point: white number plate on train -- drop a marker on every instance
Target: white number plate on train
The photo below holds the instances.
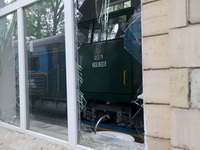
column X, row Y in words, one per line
column 99, row 64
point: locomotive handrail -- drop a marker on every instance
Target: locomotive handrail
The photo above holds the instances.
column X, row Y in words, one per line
column 124, row 77
column 58, row 89
column 47, row 83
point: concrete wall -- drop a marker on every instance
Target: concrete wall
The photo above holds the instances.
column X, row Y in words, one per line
column 171, row 63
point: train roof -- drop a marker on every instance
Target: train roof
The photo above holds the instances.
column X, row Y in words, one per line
column 49, row 40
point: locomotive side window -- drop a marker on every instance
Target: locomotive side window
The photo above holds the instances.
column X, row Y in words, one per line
column 99, row 34
column 112, row 31
column 86, row 30
column 127, row 4
column 111, row 8
column 118, row 6
column 115, row 29
column 116, row 26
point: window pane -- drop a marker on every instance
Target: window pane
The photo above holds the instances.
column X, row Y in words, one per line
column 99, row 34
column 86, row 30
column 111, row 8
column 127, row 4
column 118, row 6
column 110, row 82
column 9, row 81
column 46, row 68
column 116, row 27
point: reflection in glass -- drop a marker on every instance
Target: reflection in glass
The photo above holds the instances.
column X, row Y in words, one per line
column 46, row 68
column 9, row 75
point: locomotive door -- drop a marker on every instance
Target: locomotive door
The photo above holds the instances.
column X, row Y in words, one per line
column 53, row 76
column 56, row 71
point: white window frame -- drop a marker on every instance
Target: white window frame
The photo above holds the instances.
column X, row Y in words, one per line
column 72, row 142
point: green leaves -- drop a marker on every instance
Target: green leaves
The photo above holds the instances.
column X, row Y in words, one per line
column 44, row 19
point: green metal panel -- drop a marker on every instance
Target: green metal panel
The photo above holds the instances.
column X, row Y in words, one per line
column 119, row 80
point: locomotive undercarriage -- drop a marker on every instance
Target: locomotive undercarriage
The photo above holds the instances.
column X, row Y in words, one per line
column 121, row 114
column 49, row 106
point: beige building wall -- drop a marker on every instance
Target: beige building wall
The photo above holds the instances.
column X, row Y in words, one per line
column 171, row 63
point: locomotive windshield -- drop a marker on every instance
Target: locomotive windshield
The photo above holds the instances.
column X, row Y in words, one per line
column 115, row 30
column 98, row 34
column 116, row 27
column 86, row 30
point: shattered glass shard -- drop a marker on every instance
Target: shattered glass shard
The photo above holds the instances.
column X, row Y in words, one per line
column 9, row 83
column 102, row 12
column 80, row 3
column 132, row 37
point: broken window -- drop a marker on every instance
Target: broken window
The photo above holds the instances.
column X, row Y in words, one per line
column 110, row 101
column 45, row 44
column 9, row 75
column 132, row 37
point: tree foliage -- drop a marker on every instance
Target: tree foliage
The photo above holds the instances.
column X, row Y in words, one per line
column 44, row 19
